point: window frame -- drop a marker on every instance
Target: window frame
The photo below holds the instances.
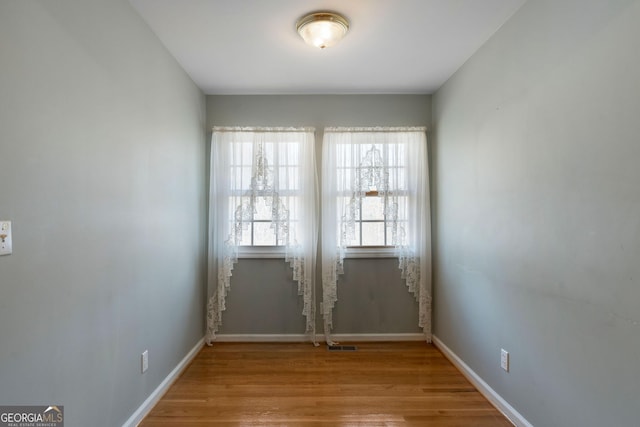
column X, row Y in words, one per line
column 236, row 197
column 375, row 251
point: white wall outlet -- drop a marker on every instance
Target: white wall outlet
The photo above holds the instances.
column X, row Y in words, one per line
column 504, row 359
column 144, row 359
column 6, row 247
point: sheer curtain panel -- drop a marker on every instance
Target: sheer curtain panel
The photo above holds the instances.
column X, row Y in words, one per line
column 375, row 193
column 262, row 196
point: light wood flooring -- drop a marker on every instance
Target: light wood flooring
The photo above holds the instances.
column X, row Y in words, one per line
column 380, row 384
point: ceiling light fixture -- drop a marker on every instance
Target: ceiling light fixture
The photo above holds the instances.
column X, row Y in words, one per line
column 322, row 29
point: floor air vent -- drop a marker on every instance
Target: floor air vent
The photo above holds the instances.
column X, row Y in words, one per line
column 342, row 347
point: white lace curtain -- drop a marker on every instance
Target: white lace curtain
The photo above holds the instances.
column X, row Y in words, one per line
column 262, row 192
column 390, row 163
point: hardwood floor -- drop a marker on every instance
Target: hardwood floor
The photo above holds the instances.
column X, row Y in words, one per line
column 380, row 384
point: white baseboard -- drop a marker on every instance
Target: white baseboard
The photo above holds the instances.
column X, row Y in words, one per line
column 490, row 394
column 262, row 338
column 320, row 337
column 377, row 337
column 157, row 394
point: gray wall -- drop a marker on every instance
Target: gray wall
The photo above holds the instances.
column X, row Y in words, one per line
column 537, row 208
column 372, row 298
column 102, row 166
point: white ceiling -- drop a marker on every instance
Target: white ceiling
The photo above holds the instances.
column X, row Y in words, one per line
column 393, row 46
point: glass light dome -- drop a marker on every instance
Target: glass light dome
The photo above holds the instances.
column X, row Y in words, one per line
column 322, row 29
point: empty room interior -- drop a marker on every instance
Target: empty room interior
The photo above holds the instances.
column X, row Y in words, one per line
column 488, row 224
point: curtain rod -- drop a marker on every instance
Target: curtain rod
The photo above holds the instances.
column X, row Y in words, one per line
column 312, row 129
column 377, row 129
column 261, row 129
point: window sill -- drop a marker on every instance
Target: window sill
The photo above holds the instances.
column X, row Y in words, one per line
column 261, row 252
column 278, row 252
column 372, row 252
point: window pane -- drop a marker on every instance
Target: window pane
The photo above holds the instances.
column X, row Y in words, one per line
column 373, row 234
column 288, row 178
column 294, row 231
column 240, row 177
column 400, row 238
column 263, row 211
column 240, row 209
column 356, row 237
column 402, row 208
column 372, row 208
column 245, row 178
column 343, row 205
column 356, row 240
column 246, row 236
column 294, row 205
column 263, row 234
column 268, row 152
column 288, row 153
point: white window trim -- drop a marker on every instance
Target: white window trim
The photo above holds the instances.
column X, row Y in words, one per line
column 274, row 252
column 278, row 252
column 365, row 252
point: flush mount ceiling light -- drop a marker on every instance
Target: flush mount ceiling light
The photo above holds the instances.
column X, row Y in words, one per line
column 322, row 29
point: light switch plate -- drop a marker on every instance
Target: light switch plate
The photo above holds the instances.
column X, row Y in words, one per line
column 6, row 247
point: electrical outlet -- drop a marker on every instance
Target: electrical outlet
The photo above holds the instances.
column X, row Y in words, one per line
column 145, row 361
column 504, row 359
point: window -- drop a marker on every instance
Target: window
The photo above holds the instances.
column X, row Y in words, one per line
column 265, row 198
column 264, row 183
column 371, row 184
column 262, row 202
column 373, row 199
column 375, row 202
